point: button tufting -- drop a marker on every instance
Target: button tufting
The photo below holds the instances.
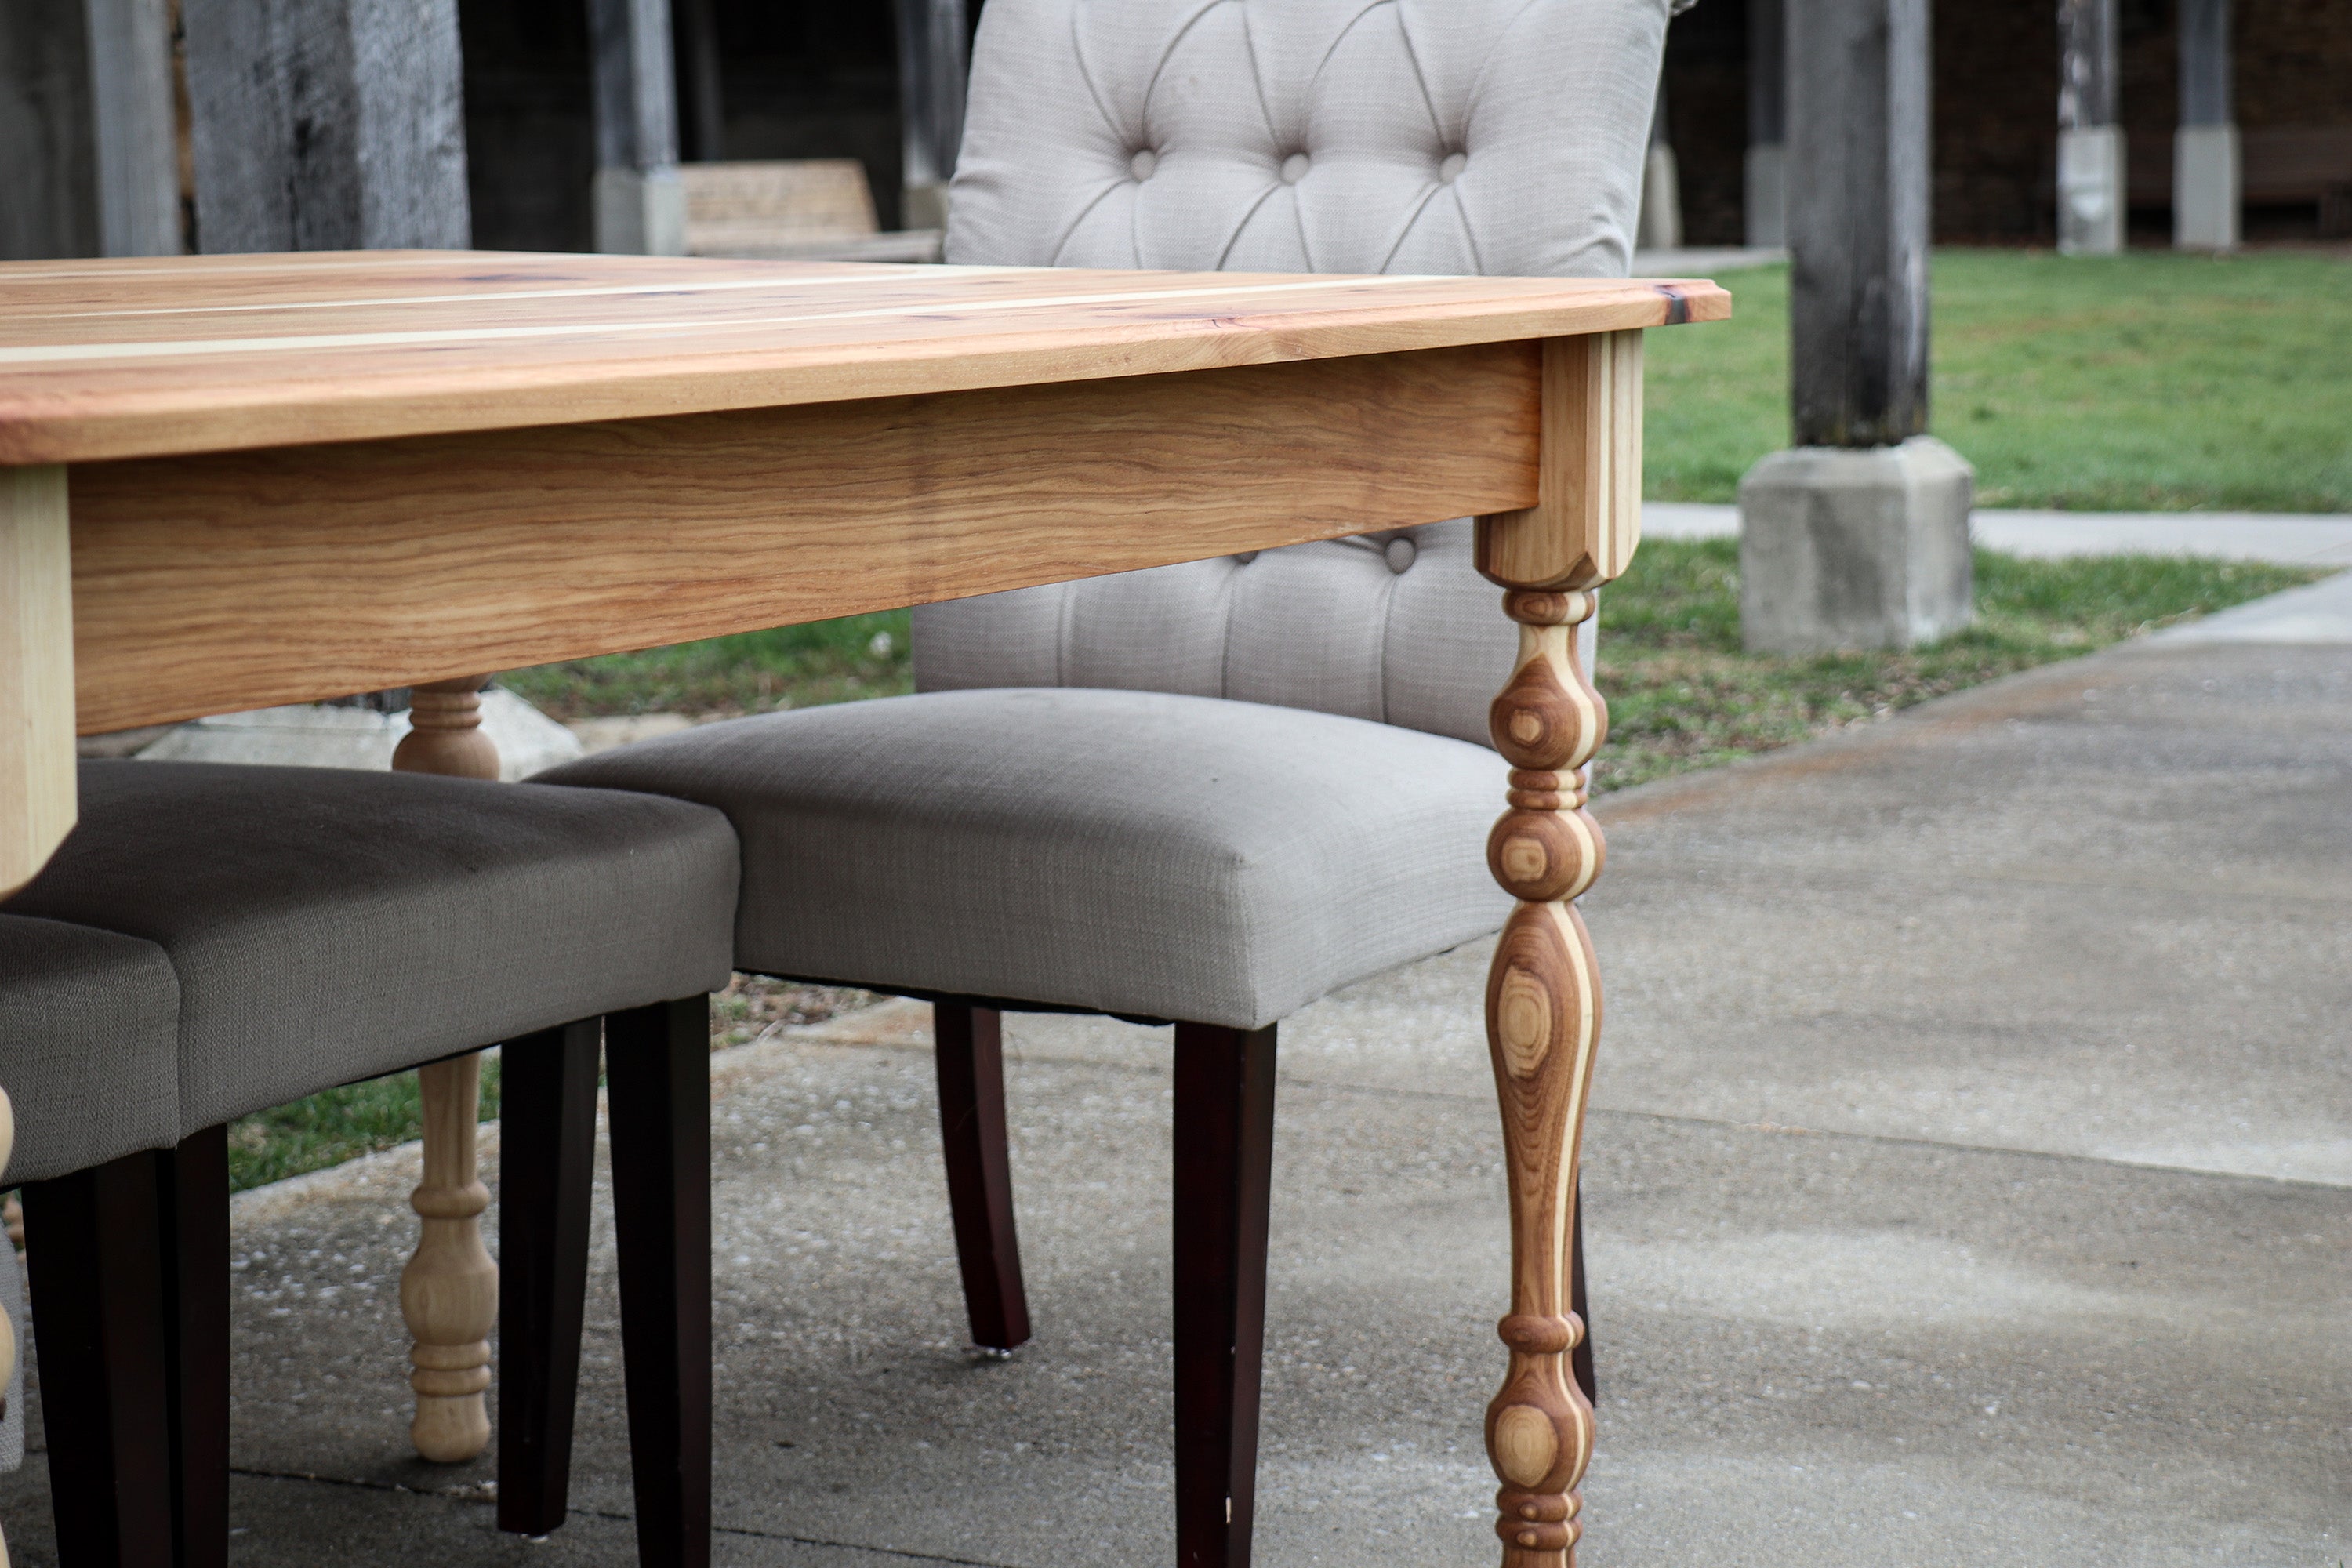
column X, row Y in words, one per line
column 1401, row 554
column 1294, row 168
column 1143, row 162
column 1451, row 169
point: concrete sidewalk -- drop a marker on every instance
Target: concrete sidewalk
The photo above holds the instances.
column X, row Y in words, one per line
column 2287, row 538
column 1971, row 1178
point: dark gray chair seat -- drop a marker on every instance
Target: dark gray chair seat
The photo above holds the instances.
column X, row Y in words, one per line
column 260, row 934
column 329, row 925
column 90, row 1058
column 88, row 1046
column 1127, row 852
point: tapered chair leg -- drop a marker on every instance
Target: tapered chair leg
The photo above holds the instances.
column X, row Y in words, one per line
column 658, row 1072
column 1225, row 1156
column 547, row 1135
column 101, row 1327
column 969, row 1042
column 195, row 1205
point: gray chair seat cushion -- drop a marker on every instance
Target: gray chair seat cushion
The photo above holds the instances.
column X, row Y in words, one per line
column 1130, row 852
column 89, row 1026
column 327, row 925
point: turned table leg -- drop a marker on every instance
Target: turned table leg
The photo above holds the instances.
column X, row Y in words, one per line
column 450, row 1291
column 1543, row 994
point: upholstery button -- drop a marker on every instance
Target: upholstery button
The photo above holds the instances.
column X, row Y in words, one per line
column 1143, row 162
column 1401, row 554
column 1246, row 557
column 1294, row 168
column 1451, row 169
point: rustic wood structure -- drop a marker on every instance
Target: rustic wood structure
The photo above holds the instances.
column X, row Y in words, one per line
column 640, row 209
column 1858, row 221
column 297, row 477
column 326, row 124
column 86, row 114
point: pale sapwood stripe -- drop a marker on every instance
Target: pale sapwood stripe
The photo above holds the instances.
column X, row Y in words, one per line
column 1588, row 1033
column 499, row 296
column 57, row 354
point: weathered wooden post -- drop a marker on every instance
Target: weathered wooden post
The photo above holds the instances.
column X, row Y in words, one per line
column 1858, row 536
column 1767, row 124
column 327, row 125
column 86, row 115
column 933, row 44
column 640, row 203
column 2205, row 168
column 2090, row 143
column 340, row 125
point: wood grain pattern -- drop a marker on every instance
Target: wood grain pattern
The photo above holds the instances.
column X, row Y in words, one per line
column 1583, row 529
column 37, row 674
column 1543, row 990
column 177, row 355
column 241, row 580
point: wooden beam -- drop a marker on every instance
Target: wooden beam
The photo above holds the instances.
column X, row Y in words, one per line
column 136, row 136
column 1858, row 105
column 640, row 205
column 37, row 673
column 327, row 125
column 933, row 71
column 86, row 116
column 243, row 579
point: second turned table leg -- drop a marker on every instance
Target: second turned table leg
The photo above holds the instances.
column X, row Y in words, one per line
column 450, row 1291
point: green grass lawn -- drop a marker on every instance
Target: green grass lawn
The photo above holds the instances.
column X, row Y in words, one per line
column 2140, row 382
column 1682, row 695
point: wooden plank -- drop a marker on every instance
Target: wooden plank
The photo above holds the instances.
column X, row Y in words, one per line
column 133, row 367
column 37, row 673
column 1582, row 530
column 238, row 580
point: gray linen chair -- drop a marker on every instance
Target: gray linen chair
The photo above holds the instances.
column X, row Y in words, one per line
column 275, row 931
column 1207, row 793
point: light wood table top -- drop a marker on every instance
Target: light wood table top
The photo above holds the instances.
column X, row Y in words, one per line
column 185, row 354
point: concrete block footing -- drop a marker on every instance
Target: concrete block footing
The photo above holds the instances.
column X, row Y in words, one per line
column 2091, row 191
column 1855, row 547
column 2205, row 187
column 640, row 212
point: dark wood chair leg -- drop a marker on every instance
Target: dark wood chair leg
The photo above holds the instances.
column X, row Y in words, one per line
column 195, row 1200
column 547, row 1171
column 970, row 1043
column 1225, row 1156
column 657, row 1071
column 100, row 1329
column 1579, row 1361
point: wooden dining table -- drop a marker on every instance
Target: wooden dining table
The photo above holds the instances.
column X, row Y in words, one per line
column 230, row 482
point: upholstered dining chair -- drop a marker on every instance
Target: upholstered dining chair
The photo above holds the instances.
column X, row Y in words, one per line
column 1214, row 792
column 211, row 939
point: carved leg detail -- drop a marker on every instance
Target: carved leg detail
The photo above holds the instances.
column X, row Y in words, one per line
column 1543, row 1017
column 450, row 1291
column 1543, row 996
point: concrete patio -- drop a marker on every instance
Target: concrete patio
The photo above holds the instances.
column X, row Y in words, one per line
column 1970, row 1173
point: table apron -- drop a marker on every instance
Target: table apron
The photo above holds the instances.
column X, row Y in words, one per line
column 227, row 581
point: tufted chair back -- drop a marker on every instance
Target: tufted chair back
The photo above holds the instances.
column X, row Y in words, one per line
column 1503, row 137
